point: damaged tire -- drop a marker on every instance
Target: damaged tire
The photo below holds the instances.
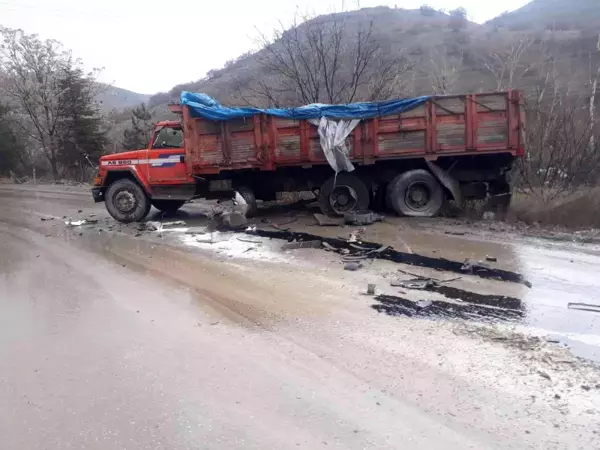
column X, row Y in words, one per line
column 416, row 193
column 126, row 201
column 168, row 206
column 343, row 193
column 248, row 195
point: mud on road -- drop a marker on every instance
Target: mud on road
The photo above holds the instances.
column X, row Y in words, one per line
column 112, row 336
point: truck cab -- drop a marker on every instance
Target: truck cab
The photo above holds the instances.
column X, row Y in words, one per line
column 131, row 182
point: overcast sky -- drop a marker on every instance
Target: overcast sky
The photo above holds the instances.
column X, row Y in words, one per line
column 151, row 45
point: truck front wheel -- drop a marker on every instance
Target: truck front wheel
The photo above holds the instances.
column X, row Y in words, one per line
column 126, row 201
column 415, row 193
column 168, row 206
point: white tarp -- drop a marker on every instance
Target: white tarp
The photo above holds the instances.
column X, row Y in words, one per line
column 333, row 136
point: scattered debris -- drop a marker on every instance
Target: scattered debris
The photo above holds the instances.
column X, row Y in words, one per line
column 75, row 223
column 328, row 246
column 301, row 244
column 544, row 375
column 371, row 289
column 174, row 223
column 152, row 225
column 292, row 220
column 433, row 309
column 43, row 219
column 233, row 221
column 352, row 266
column 456, row 233
column 491, row 258
column 387, row 253
column 584, row 307
column 79, row 211
column 470, row 267
column 361, row 217
column 326, row 221
column 418, row 283
column 250, row 241
column 92, row 215
column 424, row 304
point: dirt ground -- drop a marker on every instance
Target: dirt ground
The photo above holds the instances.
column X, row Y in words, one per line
column 113, row 336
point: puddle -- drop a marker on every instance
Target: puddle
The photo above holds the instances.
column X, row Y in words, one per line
column 436, row 309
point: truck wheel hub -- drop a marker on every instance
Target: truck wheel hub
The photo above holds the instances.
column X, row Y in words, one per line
column 125, row 201
column 343, row 199
column 417, row 196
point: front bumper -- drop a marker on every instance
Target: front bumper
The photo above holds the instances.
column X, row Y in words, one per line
column 98, row 194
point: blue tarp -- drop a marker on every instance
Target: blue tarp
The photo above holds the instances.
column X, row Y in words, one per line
column 202, row 105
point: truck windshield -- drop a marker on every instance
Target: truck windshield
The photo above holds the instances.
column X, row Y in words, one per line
column 168, row 138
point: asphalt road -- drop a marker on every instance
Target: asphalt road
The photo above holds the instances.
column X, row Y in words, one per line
column 112, row 342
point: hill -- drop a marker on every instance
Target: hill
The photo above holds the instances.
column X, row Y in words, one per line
column 112, row 97
column 465, row 58
column 552, row 15
column 411, row 33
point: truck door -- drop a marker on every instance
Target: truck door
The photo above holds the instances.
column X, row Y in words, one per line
column 166, row 157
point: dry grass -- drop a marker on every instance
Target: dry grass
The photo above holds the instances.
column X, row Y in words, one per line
column 578, row 210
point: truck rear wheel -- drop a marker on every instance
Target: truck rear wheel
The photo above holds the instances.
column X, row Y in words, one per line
column 415, row 193
column 343, row 193
column 126, row 201
column 168, row 206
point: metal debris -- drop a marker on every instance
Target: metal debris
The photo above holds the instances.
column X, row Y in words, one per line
column 417, row 283
column 584, row 307
column 491, row 258
column 329, row 247
column 250, row 241
column 371, row 289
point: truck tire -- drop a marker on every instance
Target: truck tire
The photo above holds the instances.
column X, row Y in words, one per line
column 126, row 201
column 343, row 193
column 415, row 193
column 168, row 206
column 248, row 195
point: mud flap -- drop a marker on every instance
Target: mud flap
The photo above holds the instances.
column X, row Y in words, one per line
column 447, row 181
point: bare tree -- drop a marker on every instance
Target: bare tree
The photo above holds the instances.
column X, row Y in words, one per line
column 561, row 153
column 508, row 64
column 326, row 60
column 31, row 73
column 443, row 70
column 594, row 77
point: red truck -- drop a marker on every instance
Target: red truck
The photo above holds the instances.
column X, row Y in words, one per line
column 444, row 148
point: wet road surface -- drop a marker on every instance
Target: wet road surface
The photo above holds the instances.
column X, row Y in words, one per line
column 109, row 341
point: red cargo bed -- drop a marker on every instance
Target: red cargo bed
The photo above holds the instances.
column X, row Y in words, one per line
column 444, row 125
